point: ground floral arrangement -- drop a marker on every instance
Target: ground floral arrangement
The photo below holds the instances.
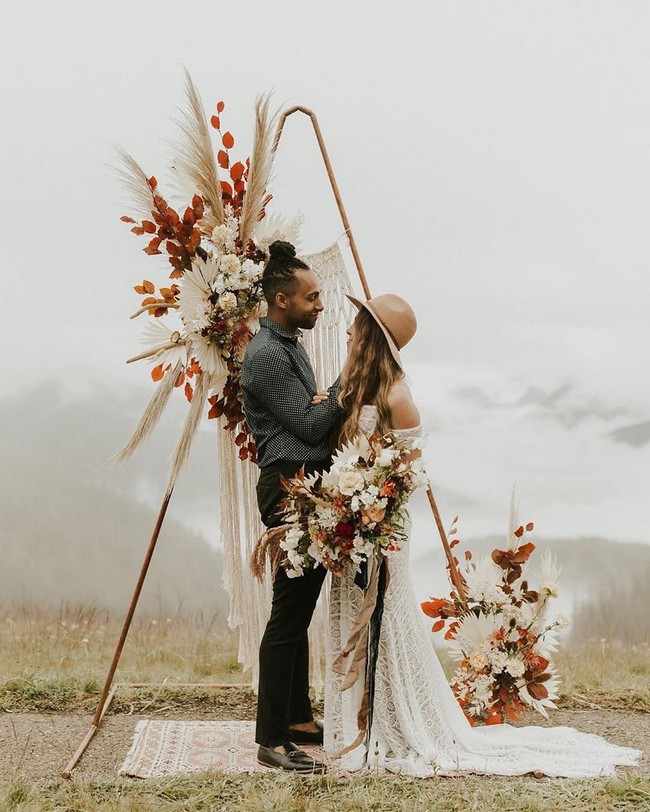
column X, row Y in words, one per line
column 217, row 249
column 352, row 512
column 501, row 633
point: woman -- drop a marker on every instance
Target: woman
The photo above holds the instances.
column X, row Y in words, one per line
column 418, row 728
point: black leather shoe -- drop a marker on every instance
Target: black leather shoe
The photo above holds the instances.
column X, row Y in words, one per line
column 307, row 736
column 292, row 759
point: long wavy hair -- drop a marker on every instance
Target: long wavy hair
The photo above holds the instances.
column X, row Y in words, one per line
column 368, row 374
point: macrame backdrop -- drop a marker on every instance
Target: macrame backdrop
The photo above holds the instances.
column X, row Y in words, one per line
column 250, row 600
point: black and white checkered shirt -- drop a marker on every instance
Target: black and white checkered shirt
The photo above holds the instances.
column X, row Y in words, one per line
column 278, row 383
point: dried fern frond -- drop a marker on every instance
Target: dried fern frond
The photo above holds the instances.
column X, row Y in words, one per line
column 136, row 183
column 151, row 415
column 195, row 165
column 260, row 168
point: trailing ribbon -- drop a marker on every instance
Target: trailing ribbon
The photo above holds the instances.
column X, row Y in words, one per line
column 364, row 642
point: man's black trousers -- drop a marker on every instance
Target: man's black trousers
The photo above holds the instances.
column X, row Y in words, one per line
column 283, row 690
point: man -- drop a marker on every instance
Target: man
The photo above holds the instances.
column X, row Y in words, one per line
column 291, row 422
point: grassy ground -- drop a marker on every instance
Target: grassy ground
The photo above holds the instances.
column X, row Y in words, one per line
column 280, row 793
column 56, row 663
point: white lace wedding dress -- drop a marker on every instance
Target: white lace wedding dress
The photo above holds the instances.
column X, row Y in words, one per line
column 418, row 727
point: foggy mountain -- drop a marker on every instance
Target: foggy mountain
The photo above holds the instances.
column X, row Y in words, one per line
column 72, row 529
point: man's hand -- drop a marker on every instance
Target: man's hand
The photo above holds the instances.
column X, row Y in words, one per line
column 319, row 397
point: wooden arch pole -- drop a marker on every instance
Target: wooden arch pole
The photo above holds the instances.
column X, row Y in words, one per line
column 107, row 694
column 456, row 578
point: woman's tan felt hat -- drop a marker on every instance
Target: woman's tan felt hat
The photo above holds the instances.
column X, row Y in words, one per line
column 395, row 318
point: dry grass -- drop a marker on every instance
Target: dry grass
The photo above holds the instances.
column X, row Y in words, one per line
column 58, row 661
column 282, row 793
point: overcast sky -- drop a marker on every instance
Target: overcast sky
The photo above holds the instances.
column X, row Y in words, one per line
column 493, row 160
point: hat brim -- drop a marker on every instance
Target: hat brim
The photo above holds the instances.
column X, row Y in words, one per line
column 392, row 346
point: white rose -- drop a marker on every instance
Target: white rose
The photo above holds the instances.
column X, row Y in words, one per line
column 350, row 481
column 229, row 264
column 478, row 660
column 227, row 300
column 222, row 236
column 251, row 269
column 515, row 667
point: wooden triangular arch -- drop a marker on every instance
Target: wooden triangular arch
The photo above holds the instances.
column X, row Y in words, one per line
column 109, row 689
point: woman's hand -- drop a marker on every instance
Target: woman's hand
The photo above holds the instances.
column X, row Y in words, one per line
column 319, row 397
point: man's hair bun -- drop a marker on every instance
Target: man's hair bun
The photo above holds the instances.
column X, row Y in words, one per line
column 282, row 251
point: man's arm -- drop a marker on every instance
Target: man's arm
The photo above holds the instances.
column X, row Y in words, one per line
column 273, row 381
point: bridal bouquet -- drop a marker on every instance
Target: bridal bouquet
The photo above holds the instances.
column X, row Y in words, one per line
column 345, row 516
column 501, row 634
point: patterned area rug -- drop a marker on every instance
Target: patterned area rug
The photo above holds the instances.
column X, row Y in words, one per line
column 172, row 748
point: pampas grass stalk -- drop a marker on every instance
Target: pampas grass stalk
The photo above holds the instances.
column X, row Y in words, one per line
column 195, row 162
column 151, row 415
column 260, row 169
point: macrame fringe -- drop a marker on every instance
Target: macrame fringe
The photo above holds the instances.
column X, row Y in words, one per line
column 241, row 528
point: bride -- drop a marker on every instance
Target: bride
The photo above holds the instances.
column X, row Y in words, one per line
column 417, row 727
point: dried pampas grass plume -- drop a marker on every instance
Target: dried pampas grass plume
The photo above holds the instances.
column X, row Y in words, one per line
column 181, row 452
column 151, row 415
column 195, row 162
column 136, row 183
column 260, row 169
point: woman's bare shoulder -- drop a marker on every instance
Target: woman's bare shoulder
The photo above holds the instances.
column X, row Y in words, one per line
column 404, row 413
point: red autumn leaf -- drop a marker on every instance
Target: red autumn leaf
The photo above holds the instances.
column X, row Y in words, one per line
column 493, row 719
column 180, row 379
column 522, row 554
column 220, row 107
column 149, row 300
column 167, row 293
column 438, row 626
column 139, row 289
column 536, row 690
column 215, row 122
column 519, row 532
column 188, row 391
column 454, row 542
column 226, row 189
column 530, row 526
column 189, row 218
column 511, row 713
column 239, row 185
column 148, row 286
column 197, row 205
column 173, row 249
column 149, row 227
column 153, row 182
column 176, row 274
column 138, row 230
column 126, row 219
column 468, row 555
column 432, row 608
column 157, row 372
column 223, row 159
column 160, row 311
column 228, row 140
column 243, row 453
column 237, row 170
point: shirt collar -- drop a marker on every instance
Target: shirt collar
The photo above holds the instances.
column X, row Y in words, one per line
column 279, row 330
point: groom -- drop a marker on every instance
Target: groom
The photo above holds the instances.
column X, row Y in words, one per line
column 291, row 422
